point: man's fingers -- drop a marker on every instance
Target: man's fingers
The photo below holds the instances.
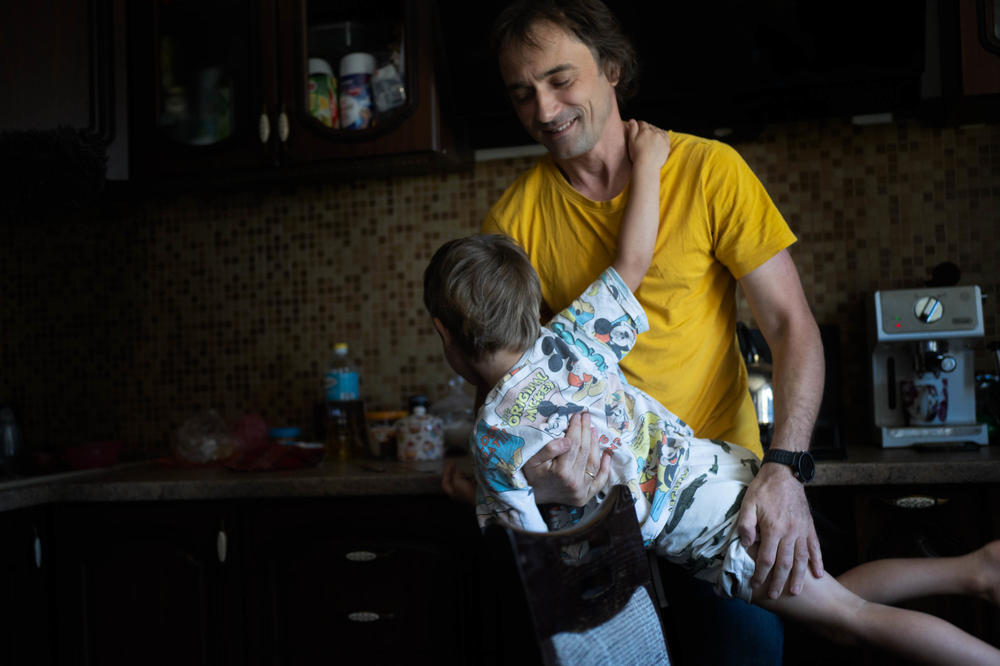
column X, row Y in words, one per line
column 604, row 471
column 815, row 556
column 783, row 563
column 553, row 449
column 800, row 569
column 767, row 553
column 746, row 524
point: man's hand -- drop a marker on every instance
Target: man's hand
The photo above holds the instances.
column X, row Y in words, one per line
column 775, row 505
column 569, row 470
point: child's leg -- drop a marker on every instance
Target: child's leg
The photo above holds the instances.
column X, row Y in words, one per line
column 832, row 608
column 892, row 580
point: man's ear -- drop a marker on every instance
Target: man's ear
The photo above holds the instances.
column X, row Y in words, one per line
column 443, row 332
column 612, row 72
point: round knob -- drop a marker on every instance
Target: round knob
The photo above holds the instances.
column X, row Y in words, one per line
column 928, row 309
column 948, row 363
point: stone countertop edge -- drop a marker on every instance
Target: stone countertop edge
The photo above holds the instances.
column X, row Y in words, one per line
column 153, row 481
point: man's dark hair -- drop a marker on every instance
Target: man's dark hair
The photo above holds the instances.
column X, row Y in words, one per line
column 589, row 20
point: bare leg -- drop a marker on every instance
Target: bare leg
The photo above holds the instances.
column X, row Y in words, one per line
column 837, row 612
column 893, row 580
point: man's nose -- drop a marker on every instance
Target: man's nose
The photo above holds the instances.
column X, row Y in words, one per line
column 546, row 106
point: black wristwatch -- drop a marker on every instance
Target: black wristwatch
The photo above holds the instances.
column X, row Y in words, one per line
column 802, row 463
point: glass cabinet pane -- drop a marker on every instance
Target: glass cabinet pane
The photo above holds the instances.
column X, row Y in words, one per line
column 203, row 62
column 357, row 75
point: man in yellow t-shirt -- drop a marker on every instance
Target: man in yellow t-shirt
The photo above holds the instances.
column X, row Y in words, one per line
column 566, row 67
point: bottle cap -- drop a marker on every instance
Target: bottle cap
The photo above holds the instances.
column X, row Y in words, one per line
column 357, row 63
column 319, row 66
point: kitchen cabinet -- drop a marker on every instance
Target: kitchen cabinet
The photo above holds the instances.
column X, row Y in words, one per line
column 221, row 90
column 25, row 587
column 63, row 66
column 147, row 582
column 861, row 524
column 374, row 580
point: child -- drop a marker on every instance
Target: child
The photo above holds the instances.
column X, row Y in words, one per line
column 484, row 297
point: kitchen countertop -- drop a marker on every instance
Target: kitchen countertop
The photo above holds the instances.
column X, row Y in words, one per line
column 863, row 466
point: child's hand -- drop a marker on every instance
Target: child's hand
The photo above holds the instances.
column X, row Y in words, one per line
column 648, row 145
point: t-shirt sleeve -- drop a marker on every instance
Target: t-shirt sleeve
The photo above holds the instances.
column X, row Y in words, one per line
column 747, row 226
column 606, row 313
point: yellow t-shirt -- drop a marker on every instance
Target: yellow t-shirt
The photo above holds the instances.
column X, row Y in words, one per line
column 717, row 224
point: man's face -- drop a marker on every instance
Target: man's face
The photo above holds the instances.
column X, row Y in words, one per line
column 559, row 93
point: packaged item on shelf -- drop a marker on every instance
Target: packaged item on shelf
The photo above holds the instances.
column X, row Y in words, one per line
column 419, row 436
column 382, row 432
column 388, row 87
column 356, row 105
column 323, row 105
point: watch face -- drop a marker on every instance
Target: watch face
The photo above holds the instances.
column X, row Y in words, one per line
column 807, row 467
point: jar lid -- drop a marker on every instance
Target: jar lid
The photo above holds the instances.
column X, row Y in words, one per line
column 357, row 63
column 319, row 66
column 391, row 415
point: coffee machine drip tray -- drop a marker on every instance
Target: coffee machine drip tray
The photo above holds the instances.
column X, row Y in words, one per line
column 957, row 434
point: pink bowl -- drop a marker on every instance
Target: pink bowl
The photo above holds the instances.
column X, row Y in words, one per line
column 94, row 454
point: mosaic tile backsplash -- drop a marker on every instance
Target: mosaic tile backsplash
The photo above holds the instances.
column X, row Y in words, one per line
column 120, row 323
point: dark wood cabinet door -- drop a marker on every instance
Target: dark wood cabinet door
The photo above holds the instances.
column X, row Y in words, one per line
column 146, row 583
column 25, row 609
column 202, row 81
column 372, row 580
column 401, row 34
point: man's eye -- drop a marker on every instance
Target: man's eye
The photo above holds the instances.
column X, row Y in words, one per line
column 560, row 83
column 521, row 97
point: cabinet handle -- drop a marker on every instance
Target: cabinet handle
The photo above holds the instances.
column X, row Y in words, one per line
column 360, row 556
column 283, row 128
column 368, row 616
column 38, row 550
column 918, row 502
column 264, row 126
column 220, row 545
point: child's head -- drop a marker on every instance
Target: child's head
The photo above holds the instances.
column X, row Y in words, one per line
column 485, row 292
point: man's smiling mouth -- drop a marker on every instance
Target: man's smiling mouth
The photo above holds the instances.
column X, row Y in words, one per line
column 559, row 129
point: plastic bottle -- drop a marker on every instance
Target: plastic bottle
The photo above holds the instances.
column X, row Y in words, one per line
column 419, row 436
column 357, row 110
column 341, row 380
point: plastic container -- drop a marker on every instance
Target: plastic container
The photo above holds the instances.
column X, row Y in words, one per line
column 456, row 411
column 322, row 87
column 382, row 432
column 357, row 109
column 341, row 380
column 419, row 436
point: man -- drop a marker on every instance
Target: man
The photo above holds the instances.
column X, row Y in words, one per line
column 566, row 67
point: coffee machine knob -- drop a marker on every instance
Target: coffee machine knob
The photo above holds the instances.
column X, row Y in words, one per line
column 948, row 363
column 928, row 309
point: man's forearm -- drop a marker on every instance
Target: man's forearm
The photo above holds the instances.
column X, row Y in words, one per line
column 798, row 376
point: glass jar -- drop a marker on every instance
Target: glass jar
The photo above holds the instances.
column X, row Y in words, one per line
column 419, row 436
column 382, row 432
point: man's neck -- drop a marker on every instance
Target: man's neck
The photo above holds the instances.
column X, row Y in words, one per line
column 603, row 172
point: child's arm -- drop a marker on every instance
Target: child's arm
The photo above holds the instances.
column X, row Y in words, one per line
column 648, row 147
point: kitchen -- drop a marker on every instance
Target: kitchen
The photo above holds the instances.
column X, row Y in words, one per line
column 129, row 315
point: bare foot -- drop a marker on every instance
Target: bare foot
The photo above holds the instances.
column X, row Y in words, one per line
column 987, row 564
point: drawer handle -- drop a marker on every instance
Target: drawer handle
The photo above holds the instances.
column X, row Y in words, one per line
column 364, row 616
column 361, row 556
column 38, row 550
column 283, row 128
column 221, row 546
column 918, row 502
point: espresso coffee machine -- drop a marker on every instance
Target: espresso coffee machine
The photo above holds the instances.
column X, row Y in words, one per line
column 923, row 379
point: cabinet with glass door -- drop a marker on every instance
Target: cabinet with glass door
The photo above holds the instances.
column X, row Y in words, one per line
column 276, row 88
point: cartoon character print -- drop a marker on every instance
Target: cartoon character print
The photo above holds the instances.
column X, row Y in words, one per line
column 557, row 416
column 498, row 454
column 580, row 312
column 583, row 372
column 657, row 455
column 619, row 335
column 618, row 411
